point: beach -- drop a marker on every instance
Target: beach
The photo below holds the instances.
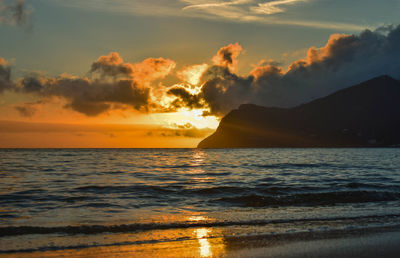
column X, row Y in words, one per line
column 372, row 243
column 200, row 203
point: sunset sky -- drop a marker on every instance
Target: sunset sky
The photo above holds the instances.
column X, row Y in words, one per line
column 158, row 73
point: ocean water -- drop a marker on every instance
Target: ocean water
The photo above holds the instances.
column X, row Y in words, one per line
column 58, row 199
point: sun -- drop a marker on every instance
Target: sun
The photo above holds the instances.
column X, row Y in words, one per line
column 192, row 74
column 185, row 116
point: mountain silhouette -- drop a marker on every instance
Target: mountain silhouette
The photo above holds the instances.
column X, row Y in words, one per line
column 365, row 115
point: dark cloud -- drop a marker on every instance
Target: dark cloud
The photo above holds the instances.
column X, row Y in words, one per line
column 225, row 90
column 344, row 61
column 90, row 97
column 14, row 12
column 26, row 110
column 31, row 83
column 29, row 109
column 222, row 90
column 185, row 98
column 5, row 75
column 119, row 85
column 112, row 65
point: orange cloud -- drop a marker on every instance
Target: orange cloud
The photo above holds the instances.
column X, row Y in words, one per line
column 152, row 69
column 147, row 71
column 112, row 65
column 227, row 56
column 339, row 46
column 192, row 74
column 267, row 68
column 114, row 84
column 181, row 131
column 3, row 61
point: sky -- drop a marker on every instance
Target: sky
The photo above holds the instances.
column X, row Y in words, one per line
column 157, row 73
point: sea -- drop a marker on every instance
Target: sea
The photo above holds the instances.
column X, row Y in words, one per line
column 66, row 199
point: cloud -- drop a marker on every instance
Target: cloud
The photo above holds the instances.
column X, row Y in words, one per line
column 196, row 4
column 14, row 12
column 242, row 9
column 224, row 90
column 259, row 11
column 227, row 56
column 113, row 84
column 5, row 75
column 236, row 11
column 185, row 98
column 153, row 69
column 216, row 89
column 26, row 110
column 192, row 74
column 345, row 60
column 90, row 97
column 112, row 65
column 185, row 130
column 267, row 68
column 29, row 109
column 147, row 71
column 273, row 7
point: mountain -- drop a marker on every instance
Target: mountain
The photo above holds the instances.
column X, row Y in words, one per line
column 365, row 115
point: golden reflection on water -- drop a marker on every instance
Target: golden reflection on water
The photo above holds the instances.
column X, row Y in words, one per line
column 202, row 242
column 196, row 169
column 205, row 247
column 197, row 218
column 198, row 158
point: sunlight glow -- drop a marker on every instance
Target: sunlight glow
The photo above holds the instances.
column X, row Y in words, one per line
column 186, row 117
column 196, row 118
column 192, row 74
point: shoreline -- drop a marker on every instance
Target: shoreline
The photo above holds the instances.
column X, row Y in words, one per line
column 372, row 242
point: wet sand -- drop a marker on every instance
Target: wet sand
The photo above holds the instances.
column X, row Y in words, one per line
column 374, row 245
column 380, row 243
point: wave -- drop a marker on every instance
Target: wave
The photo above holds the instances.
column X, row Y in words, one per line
column 319, row 165
column 295, row 165
column 270, row 166
column 236, row 187
column 139, row 227
column 236, row 194
column 125, row 189
column 310, row 199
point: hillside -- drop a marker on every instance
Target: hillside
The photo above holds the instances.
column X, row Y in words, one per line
column 365, row 115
